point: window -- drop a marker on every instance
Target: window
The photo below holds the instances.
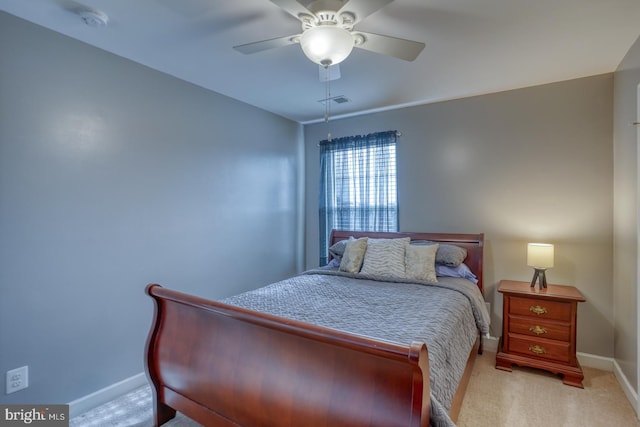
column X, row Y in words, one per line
column 358, row 188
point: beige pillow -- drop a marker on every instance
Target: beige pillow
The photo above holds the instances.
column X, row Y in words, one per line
column 421, row 262
column 385, row 257
column 353, row 255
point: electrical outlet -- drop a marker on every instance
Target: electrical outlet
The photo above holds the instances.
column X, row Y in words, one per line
column 17, row 379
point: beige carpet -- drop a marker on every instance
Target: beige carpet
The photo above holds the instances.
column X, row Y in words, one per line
column 522, row 398
column 530, row 397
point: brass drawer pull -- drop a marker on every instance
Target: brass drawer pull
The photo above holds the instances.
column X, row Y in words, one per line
column 538, row 330
column 538, row 310
column 537, row 349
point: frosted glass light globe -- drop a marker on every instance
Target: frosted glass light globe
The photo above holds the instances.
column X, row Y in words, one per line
column 327, row 44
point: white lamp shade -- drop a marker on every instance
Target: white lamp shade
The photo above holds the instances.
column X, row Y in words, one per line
column 327, row 45
column 540, row 255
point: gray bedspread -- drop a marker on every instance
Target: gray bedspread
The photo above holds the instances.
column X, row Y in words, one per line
column 445, row 315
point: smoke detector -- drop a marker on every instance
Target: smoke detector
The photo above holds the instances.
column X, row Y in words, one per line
column 93, row 18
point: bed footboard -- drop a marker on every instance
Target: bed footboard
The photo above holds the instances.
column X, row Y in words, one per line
column 222, row 365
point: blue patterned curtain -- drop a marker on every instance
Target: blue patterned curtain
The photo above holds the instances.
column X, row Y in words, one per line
column 358, row 189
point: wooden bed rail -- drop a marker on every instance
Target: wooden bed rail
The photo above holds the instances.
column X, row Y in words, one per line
column 228, row 366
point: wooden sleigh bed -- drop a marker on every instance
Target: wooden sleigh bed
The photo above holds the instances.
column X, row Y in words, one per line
column 223, row 365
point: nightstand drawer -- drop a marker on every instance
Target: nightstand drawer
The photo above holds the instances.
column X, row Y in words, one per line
column 544, row 349
column 539, row 328
column 540, row 309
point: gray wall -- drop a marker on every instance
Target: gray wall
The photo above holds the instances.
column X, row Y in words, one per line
column 625, row 272
column 533, row 164
column 113, row 176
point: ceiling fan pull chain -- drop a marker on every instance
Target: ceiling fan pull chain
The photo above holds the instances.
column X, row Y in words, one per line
column 327, row 95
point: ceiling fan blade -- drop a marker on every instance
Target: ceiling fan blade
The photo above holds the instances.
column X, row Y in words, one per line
column 392, row 46
column 292, row 7
column 363, row 8
column 254, row 47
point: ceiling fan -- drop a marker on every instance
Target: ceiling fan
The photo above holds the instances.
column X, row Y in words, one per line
column 328, row 36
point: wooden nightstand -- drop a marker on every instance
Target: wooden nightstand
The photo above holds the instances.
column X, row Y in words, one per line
column 539, row 329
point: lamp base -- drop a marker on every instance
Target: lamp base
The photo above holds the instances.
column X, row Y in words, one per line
column 541, row 277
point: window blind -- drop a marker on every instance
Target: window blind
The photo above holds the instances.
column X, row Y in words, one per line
column 358, row 185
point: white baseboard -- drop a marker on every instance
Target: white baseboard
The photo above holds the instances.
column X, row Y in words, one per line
column 596, row 362
column 631, row 394
column 610, row 364
column 107, row 394
column 490, row 344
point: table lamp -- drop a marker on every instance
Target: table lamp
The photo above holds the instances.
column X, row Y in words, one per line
column 540, row 257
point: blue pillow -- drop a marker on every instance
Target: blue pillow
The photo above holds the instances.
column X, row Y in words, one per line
column 461, row 270
column 334, row 263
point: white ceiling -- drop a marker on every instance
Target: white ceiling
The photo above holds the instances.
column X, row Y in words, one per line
column 472, row 47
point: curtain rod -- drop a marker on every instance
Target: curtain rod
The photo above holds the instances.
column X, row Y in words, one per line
column 398, row 134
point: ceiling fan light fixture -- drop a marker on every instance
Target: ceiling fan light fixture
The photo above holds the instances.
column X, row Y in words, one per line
column 327, row 44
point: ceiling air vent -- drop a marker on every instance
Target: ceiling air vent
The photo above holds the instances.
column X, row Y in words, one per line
column 340, row 99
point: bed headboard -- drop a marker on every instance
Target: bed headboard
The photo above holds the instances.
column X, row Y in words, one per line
column 473, row 243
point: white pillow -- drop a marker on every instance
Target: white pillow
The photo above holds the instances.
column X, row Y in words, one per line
column 353, row 255
column 421, row 262
column 385, row 257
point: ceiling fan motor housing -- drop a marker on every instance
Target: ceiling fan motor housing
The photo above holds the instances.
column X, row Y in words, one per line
column 327, row 17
